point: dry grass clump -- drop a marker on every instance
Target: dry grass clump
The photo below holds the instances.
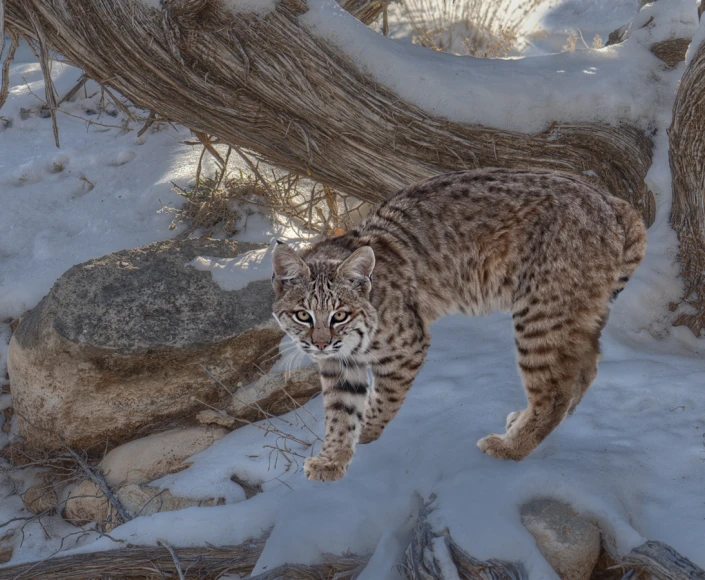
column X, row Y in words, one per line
column 220, row 203
column 209, row 207
column 481, row 28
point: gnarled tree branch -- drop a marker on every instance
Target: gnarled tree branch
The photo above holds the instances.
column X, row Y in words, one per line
column 687, row 160
column 267, row 84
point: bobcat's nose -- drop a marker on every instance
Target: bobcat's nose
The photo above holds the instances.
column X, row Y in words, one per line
column 321, row 345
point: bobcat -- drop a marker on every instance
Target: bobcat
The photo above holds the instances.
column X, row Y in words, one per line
column 546, row 246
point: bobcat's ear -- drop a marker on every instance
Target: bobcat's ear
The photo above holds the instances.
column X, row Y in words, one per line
column 358, row 266
column 287, row 265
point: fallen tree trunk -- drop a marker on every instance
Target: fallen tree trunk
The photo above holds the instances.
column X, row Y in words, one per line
column 423, row 561
column 687, row 160
column 265, row 83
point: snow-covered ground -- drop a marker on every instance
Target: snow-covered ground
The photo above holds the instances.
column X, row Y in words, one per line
column 632, row 457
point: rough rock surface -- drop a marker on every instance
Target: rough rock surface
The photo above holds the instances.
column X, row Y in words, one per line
column 41, row 498
column 7, row 548
column 116, row 344
column 87, row 503
column 148, row 458
column 143, row 500
column 568, row 542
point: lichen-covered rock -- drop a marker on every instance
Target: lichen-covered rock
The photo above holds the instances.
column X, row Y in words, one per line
column 117, row 343
column 144, row 460
column 570, row 544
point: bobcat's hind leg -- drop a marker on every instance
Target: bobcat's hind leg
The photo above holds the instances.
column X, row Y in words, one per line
column 557, row 361
column 588, row 372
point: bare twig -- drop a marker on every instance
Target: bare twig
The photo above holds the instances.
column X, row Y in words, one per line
column 100, row 482
column 5, row 87
column 49, row 90
column 2, row 26
column 77, row 87
column 147, row 124
column 206, row 142
column 254, row 169
column 174, row 557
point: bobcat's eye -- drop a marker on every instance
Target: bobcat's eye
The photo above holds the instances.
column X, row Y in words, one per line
column 340, row 316
column 303, row 316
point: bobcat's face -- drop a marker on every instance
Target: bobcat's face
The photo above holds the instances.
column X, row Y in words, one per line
column 324, row 306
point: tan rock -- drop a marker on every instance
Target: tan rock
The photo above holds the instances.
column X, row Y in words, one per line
column 148, row 458
column 86, row 503
column 210, row 417
column 41, row 498
column 570, row 544
column 7, row 547
column 118, row 342
column 143, row 500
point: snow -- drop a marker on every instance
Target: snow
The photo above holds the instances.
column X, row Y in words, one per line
column 605, row 85
column 698, row 39
column 236, row 273
column 600, row 16
column 630, row 458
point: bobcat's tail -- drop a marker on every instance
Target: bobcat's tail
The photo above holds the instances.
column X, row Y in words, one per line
column 634, row 241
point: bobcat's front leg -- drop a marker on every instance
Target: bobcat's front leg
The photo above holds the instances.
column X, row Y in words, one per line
column 393, row 372
column 344, row 396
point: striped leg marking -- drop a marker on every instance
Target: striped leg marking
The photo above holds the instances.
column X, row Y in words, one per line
column 345, row 389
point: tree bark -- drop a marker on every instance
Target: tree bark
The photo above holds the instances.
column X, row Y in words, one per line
column 687, row 160
column 265, row 83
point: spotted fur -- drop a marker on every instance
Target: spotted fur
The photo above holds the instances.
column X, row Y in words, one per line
column 546, row 246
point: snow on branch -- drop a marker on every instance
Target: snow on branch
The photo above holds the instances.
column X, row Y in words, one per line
column 283, row 87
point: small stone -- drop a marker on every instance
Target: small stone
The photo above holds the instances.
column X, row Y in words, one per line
column 210, row 417
column 41, row 498
column 86, row 503
column 7, row 547
column 570, row 544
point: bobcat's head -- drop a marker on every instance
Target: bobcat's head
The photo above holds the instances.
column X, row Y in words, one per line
column 323, row 305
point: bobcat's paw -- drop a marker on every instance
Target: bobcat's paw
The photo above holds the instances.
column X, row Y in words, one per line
column 498, row 446
column 324, row 469
column 370, row 433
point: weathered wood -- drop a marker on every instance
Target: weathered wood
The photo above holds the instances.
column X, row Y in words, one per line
column 661, row 562
column 671, row 51
column 267, row 84
column 423, row 562
column 687, row 160
column 652, row 560
column 143, row 562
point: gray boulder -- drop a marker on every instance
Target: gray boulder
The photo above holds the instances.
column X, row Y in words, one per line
column 118, row 342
